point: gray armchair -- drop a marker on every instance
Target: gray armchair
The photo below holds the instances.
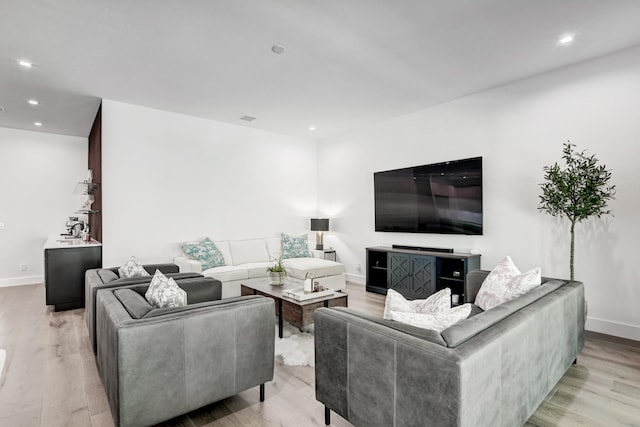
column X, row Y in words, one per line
column 157, row 364
column 103, row 278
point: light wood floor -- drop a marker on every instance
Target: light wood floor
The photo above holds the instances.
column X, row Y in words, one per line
column 50, row 377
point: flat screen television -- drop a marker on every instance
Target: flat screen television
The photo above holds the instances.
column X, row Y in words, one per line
column 442, row 198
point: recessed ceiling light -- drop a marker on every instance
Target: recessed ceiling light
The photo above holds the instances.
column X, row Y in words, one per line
column 37, row 124
column 278, row 49
column 247, row 118
column 312, row 128
column 33, row 102
column 566, row 39
column 25, row 63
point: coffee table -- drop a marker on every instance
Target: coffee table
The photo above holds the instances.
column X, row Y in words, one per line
column 297, row 313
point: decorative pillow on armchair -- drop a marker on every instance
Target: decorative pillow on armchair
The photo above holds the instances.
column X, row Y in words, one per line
column 504, row 283
column 206, row 252
column 164, row 292
column 439, row 302
column 295, row 247
column 132, row 269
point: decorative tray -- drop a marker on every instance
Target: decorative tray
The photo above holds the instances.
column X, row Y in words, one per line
column 299, row 295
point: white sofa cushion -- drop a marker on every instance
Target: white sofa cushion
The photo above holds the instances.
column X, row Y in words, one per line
column 256, row 269
column 274, row 246
column 223, row 247
column 245, row 251
column 298, row 267
column 226, row 273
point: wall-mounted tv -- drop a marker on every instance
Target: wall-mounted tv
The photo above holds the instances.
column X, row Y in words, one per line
column 443, row 198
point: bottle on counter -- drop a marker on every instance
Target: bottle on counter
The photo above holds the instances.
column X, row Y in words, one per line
column 308, row 284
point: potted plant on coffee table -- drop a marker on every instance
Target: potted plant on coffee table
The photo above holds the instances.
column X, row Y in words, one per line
column 277, row 271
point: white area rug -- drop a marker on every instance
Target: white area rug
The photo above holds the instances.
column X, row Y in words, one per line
column 296, row 347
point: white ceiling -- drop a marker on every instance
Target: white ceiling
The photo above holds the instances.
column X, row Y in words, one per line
column 347, row 63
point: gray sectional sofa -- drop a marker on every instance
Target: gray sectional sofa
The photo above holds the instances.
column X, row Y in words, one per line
column 104, row 278
column 157, row 364
column 492, row 369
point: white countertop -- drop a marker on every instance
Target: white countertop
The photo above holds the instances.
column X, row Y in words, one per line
column 61, row 243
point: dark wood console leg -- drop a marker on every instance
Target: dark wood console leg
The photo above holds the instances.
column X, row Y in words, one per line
column 261, row 392
column 280, row 319
column 327, row 416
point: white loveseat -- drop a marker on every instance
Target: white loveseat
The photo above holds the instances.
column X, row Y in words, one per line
column 247, row 261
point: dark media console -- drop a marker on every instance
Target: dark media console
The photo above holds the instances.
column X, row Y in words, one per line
column 423, row 248
column 417, row 273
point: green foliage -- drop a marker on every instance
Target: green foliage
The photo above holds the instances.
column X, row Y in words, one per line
column 580, row 190
column 277, row 267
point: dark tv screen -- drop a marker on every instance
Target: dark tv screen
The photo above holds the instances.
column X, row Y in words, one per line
column 443, row 198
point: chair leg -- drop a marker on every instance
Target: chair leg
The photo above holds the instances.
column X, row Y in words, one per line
column 575, row 361
column 262, row 392
column 327, row 416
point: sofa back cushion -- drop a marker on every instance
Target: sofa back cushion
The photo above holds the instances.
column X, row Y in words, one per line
column 472, row 326
column 274, row 247
column 425, row 334
column 245, row 251
column 107, row 275
column 198, row 289
column 135, row 304
column 223, row 247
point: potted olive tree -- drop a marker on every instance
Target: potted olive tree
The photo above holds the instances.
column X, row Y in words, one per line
column 576, row 192
column 277, row 271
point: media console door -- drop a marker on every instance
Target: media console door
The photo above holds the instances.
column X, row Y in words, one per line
column 413, row 276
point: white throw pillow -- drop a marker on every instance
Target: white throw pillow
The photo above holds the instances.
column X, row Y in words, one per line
column 437, row 322
column 164, row 292
column 132, row 269
column 436, row 303
column 504, row 283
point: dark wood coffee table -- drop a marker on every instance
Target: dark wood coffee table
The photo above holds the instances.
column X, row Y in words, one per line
column 297, row 313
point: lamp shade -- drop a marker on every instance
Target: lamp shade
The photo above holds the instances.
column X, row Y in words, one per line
column 319, row 224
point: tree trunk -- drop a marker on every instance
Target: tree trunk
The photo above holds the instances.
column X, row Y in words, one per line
column 573, row 226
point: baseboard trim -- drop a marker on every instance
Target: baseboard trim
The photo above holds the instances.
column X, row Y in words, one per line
column 617, row 329
column 20, row 281
column 355, row 278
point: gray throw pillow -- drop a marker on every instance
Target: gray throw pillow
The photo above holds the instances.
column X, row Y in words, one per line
column 164, row 292
column 132, row 269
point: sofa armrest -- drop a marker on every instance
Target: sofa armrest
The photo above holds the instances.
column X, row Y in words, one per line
column 187, row 265
column 368, row 371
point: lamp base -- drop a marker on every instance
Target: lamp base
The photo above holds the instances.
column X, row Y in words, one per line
column 319, row 242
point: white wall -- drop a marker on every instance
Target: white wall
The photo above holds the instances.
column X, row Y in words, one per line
column 38, row 173
column 170, row 178
column 518, row 129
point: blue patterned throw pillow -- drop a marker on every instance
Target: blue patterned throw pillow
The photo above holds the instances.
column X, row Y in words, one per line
column 295, row 247
column 206, row 252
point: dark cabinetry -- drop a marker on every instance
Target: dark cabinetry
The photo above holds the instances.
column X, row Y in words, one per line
column 417, row 274
column 411, row 275
column 64, row 269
